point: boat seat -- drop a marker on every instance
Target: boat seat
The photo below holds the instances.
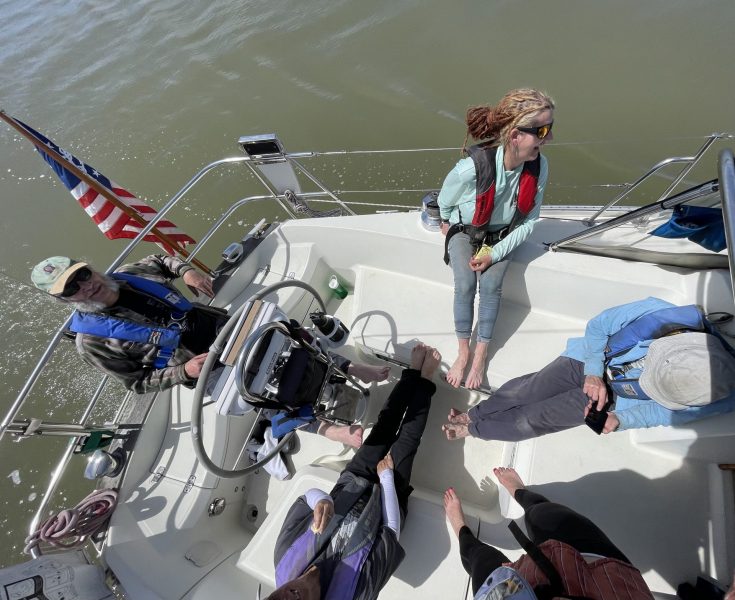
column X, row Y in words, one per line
column 257, row 557
column 538, row 335
column 432, row 559
column 432, row 550
column 709, row 440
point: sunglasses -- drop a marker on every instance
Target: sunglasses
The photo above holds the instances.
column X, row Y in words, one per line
column 72, row 286
column 540, row 132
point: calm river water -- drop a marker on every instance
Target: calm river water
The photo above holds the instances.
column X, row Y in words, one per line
column 149, row 92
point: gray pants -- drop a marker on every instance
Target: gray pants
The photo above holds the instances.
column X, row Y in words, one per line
column 533, row 405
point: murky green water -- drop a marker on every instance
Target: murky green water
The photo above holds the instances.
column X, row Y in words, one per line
column 148, row 92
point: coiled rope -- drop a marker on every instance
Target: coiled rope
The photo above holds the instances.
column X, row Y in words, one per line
column 72, row 527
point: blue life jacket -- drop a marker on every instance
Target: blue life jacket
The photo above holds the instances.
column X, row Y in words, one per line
column 652, row 326
column 166, row 338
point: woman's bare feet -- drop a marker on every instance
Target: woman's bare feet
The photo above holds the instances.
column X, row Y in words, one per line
column 455, row 432
column 509, row 479
column 432, row 360
column 368, row 373
column 418, row 352
column 477, row 370
column 457, row 417
column 349, row 435
column 456, row 371
column 453, row 509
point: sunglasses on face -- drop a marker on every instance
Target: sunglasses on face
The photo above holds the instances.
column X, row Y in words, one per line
column 540, row 132
column 72, row 286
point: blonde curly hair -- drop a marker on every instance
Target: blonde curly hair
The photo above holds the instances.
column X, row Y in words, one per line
column 517, row 108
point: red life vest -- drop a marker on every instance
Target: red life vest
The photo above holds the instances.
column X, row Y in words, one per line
column 483, row 155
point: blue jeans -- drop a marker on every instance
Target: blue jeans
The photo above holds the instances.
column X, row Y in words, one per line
column 466, row 282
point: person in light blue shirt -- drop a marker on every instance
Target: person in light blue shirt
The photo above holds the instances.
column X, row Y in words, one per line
column 686, row 376
column 489, row 204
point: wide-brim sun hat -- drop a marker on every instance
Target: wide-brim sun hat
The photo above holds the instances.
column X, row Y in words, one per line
column 52, row 274
column 688, row 369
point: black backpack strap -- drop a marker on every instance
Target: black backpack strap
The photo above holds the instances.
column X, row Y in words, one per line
column 518, row 218
column 456, row 228
column 556, row 586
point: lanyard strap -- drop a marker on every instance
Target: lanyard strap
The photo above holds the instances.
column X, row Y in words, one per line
column 556, row 586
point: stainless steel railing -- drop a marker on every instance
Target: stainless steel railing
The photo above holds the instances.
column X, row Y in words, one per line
column 687, row 196
column 726, row 170
column 22, row 396
column 9, row 423
column 662, row 202
column 326, row 195
column 689, row 161
column 294, row 158
column 36, row 373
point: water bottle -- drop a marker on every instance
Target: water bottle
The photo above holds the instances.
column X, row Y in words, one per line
column 330, row 328
column 337, row 288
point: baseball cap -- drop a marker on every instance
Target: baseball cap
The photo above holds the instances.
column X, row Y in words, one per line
column 51, row 274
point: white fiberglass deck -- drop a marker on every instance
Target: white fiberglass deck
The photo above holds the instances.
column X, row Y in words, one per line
column 654, row 493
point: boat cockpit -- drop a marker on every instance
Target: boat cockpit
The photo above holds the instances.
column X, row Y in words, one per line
column 197, row 513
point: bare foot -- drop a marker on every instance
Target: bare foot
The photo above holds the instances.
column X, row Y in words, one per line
column 349, row 435
column 730, row 595
column 453, row 509
column 456, row 371
column 457, row 417
column 455, row 432
column 477, row 370
column 418, row 352
column 509, row 479
column 368, row 373
column 432, row 360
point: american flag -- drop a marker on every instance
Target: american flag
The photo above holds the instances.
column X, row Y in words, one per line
column 111, row 220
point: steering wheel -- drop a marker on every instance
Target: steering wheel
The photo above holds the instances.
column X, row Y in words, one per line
column 215, row 350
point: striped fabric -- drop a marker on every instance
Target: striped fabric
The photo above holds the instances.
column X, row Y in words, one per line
column 111, row 220
column 603, row 579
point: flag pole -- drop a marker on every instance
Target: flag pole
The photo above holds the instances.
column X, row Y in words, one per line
column 100, row 189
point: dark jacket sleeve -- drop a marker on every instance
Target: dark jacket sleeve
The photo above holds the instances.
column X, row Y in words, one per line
column 384, row 558
column 298, row 518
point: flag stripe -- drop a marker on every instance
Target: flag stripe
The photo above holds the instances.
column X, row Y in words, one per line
column 112, row 221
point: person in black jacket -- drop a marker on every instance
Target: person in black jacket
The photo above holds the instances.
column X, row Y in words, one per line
column 345, row 544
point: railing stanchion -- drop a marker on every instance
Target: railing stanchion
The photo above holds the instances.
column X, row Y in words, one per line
column 726, row 168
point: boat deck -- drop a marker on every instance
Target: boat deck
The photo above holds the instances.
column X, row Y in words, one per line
column 657, row 494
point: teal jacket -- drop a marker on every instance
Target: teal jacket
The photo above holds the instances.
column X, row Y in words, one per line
column 457, row 200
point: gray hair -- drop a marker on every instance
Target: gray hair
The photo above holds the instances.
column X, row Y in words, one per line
column 90, row 305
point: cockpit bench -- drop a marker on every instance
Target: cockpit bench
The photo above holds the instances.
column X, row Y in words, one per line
column 432, row 550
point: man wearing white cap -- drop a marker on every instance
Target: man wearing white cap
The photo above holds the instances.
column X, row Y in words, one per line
column 650, row 362
column 137, row 327
column 114, row 305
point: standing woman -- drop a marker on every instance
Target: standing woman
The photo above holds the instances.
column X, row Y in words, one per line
column 489, row 205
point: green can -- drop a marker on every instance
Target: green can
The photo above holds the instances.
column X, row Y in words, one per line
column 339, row 290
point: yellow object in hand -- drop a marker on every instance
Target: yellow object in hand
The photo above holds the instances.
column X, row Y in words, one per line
column 484, row 251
